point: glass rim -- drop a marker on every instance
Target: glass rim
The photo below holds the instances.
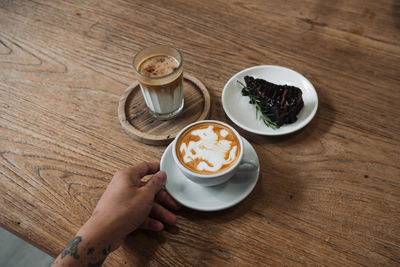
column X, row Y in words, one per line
column 158, row 77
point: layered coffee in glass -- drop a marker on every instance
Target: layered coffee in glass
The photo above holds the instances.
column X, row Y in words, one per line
column 159, row 70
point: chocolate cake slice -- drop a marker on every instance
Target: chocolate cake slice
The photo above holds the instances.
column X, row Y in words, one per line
column 281, row 103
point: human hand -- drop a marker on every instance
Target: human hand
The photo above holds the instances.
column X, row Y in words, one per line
column 126, row 205
column 129, row 204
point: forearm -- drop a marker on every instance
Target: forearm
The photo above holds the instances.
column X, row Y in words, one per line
column 89, row 247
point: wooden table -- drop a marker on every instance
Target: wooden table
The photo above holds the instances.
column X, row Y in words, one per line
column 327, row 195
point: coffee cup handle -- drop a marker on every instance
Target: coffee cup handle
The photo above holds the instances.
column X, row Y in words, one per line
column 249, row 162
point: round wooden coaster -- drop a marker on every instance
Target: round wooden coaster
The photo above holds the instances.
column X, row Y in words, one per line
column 138, row 122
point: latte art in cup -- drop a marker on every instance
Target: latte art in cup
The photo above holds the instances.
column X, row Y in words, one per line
column 208, row 148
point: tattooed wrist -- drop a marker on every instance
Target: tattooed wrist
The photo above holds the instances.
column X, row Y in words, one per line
column 83, row 252
column 72, row 248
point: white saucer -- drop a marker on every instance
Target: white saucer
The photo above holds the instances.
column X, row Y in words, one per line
column 208, row 198
column 243, row 114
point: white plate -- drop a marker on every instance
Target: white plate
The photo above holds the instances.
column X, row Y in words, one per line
column 243, row 114
column 208, row 198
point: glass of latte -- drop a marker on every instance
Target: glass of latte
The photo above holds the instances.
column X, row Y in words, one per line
column 210, row 152
column 159, row 70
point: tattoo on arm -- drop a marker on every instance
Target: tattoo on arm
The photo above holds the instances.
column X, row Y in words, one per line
column 90, row 250
column 106, row 250
column 72, row 248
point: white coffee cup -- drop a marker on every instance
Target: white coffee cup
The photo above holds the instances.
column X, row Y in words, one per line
column 245, row 161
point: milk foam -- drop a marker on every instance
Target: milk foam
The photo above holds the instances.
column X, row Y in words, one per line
column 209, row 151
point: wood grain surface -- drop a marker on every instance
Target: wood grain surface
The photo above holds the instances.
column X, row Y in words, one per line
column 327, row 195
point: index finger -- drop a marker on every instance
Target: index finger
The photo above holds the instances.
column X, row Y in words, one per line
column 136, row 172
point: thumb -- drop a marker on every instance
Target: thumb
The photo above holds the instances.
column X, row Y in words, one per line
column 156, row 182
